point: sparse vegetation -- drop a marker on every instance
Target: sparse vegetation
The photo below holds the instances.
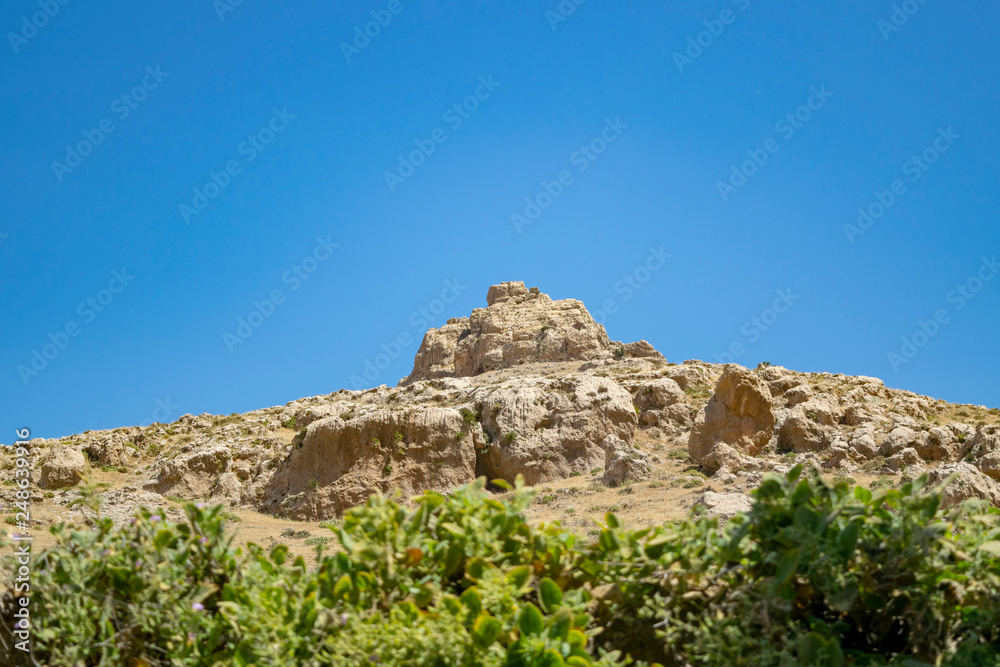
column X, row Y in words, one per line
column 510, row 436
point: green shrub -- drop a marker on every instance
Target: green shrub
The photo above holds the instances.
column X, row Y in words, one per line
column 814, row 574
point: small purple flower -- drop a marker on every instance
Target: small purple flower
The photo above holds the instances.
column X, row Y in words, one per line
column 138, row 564
column 133, row 521
column 200, row 506
column 191, row 638
column 197, row 606
column 155, row 518
column 203, row 540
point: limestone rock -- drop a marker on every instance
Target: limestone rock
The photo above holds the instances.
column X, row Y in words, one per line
column 192, row 474
column 739, row 414
column 723, row 505
column 547, row 429
column 904, row 458
column 518, row 326
column 802, row 433
column 341, row 461
column 798, row 394
column 623, row 463
column 62, row 467
column 969, row 483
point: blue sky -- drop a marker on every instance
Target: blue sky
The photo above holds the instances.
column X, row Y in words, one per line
column 218, row 155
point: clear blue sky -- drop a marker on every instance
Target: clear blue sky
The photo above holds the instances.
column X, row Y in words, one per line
column 630, row 126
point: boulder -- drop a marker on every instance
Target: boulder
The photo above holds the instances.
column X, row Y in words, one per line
column 340, row 462
column 61, row 467
column 546, row 429
column 739, row 414
column 191, row 474
column 623, row 463
column 969, row 483
column 723, row 505
column 904, row 458
column 801, row 433
column 798, row 394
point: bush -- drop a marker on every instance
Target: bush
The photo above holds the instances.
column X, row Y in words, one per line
column 814, row 574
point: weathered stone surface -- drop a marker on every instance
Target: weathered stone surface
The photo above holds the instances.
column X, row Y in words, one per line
column 739, row 414
column 969, row 483
column 341, row 461
column 62, row 467
column 192, row 474
column 623, row 463
column 802, row 433
column 904, row 458
column 518, row 326
column 548, row 429
column 723, row 505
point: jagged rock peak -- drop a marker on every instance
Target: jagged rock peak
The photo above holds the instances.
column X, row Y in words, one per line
column 518, row 326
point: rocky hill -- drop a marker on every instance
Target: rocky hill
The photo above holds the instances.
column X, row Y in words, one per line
column 530, row 386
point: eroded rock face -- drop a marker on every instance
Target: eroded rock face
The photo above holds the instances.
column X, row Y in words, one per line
column 62, row 467
column 740, row 415
column 518, row 326
column 191, row 475
column 969, row 483
column 340, row 462
column 547, row 429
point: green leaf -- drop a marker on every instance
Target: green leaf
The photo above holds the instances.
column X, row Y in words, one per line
column 863, row 494
column 848, row 538
column 612, row 520
column 992, row 547
column 787, row 564
column 530, row 622
column 470, row 598
column 551, row 658
column 486, row 630
column 655, row 547
column 562, row 623
column 549, row 595
column 518, row 576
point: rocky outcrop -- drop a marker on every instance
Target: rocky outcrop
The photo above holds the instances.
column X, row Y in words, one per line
column 192, row 474
column 518, row 326
column 969, row 482
column 545, row 429
column 339, row 462
column 739, row 414
column 62, row 467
